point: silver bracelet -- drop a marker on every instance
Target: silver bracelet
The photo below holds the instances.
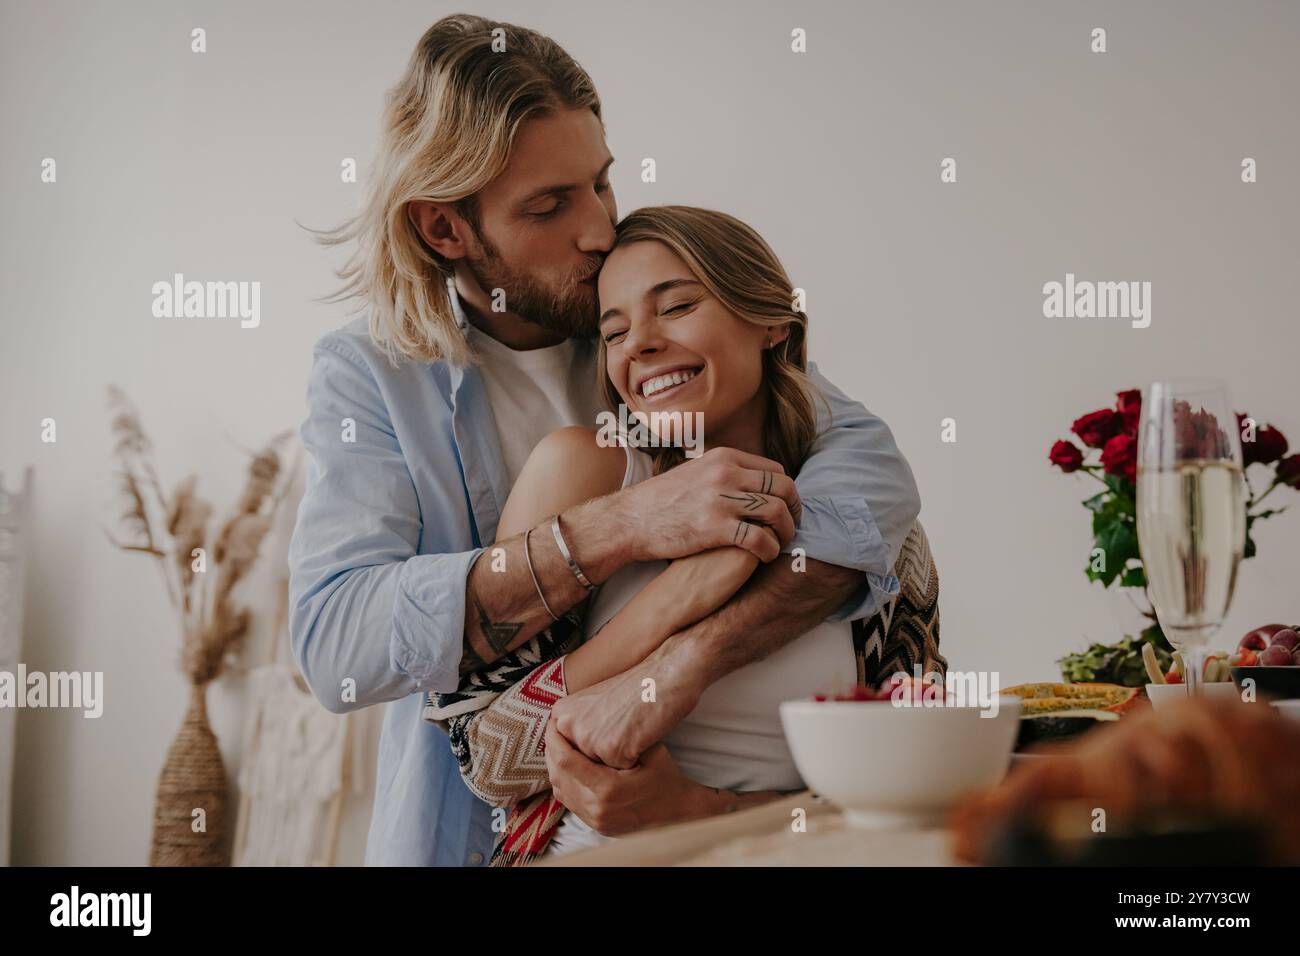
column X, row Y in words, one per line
column 564, row 550
column 529, row 560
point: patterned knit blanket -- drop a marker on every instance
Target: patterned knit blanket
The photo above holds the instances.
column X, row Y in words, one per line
column 460, row 713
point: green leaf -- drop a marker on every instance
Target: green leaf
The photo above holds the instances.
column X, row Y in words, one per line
column 1120, row 546
column 1118, row 663
column 1122, row 487
column 1134, row 578
column 1111, row 513
column 1096, row 502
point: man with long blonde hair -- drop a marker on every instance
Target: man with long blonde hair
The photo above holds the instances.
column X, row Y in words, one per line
column 489, row 214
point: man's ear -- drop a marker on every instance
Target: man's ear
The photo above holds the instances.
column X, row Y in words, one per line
column 440, row 227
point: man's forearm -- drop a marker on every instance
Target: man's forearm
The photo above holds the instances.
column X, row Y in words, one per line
column 777, row 605
column 502, row 607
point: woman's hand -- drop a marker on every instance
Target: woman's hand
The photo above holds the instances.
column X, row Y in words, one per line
column 652, row 793
column 614, row 802
column 614, row 723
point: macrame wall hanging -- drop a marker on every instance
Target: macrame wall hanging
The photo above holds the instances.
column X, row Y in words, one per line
column 300, row 763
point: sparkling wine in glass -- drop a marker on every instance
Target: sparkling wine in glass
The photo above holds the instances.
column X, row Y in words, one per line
column 1191, row 513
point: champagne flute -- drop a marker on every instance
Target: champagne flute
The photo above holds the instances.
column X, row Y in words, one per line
column 1191, row 513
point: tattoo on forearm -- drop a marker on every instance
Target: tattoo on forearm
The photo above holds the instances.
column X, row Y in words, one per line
column 499, row 635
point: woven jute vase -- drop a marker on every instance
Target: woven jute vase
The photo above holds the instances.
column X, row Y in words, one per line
column 193, row 778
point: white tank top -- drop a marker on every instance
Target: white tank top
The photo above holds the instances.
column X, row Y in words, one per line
column 733, row 738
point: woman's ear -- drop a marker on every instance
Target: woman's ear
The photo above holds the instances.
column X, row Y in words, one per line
column 778, row 334
column 439, row 226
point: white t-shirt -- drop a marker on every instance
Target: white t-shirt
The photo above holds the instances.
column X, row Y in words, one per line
column 534, row 392
column 733, row 739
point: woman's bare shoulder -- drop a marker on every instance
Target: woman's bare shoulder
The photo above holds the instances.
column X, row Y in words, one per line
column 576, row 454
column 566, row 468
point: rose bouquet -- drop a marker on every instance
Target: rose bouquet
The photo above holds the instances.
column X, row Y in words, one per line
column 1106, row 450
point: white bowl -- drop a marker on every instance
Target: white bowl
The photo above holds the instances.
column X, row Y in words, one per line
column 1161, row 694
column 887, row 765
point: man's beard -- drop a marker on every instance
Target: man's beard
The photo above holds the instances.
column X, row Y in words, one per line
column 569, row 310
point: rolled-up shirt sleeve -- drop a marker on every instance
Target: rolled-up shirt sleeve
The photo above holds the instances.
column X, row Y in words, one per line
column 370, row 620
column 859, row 498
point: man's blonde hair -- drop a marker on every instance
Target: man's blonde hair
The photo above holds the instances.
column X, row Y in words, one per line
column 448, row 128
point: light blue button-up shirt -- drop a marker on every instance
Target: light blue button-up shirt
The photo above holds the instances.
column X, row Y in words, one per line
column 405, row 484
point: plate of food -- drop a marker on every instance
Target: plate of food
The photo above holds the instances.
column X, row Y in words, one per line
column 1052, row 711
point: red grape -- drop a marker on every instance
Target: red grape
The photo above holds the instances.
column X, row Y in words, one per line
column 1276, row 656
column 1285, row 638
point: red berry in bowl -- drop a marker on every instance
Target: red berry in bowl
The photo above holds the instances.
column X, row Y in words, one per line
column 1285, row 638
column 1276, row 656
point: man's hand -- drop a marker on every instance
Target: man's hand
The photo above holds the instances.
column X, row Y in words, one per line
column 614, row 802
column 724, row 497
column 613, row 723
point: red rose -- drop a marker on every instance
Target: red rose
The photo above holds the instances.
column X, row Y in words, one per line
column 1097, row 428
column 1119, row 457
column 1269, row 444
column 1130, row 407
column 1066, row 456
column 1288, row 471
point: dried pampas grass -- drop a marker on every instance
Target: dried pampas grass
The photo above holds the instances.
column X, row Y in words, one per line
column 201, row 579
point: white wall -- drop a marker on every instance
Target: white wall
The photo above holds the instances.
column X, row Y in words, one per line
column 925, row 298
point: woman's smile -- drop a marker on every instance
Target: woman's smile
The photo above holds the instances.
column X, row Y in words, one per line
column 659, row 386
column 672, row 346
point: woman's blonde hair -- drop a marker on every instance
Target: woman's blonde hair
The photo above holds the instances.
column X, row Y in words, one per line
column 448, row 128
column 743, row 273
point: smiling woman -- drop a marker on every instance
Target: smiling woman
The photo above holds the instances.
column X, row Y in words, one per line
column 698, row 315
column 698, row 324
